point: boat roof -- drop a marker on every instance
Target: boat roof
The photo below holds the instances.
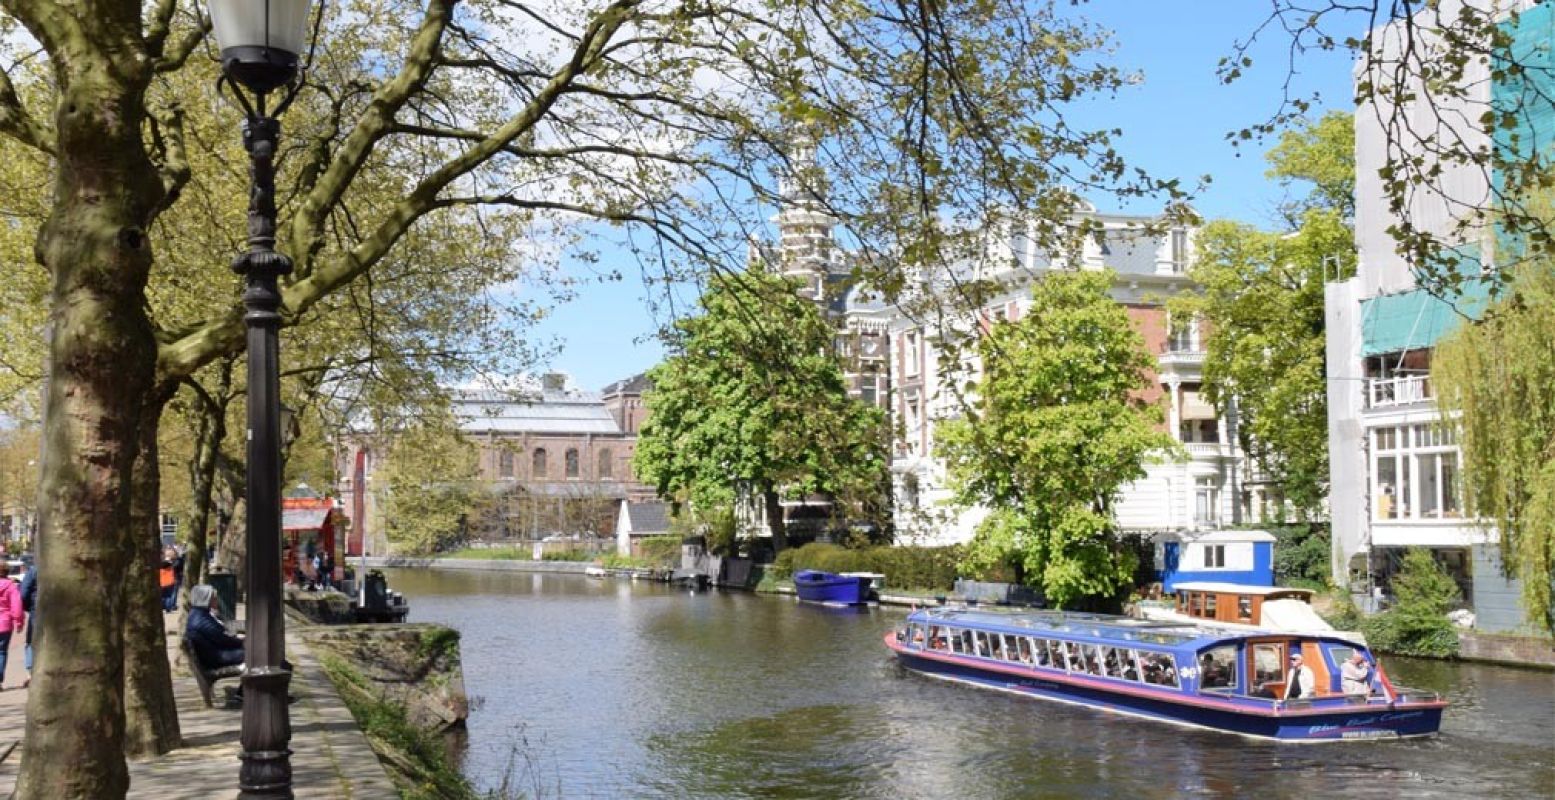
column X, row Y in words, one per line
column 1235, row 588
column 1082, row 626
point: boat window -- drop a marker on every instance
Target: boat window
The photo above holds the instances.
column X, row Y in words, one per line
column 956, row 644
column 1023, row 649
column 1130, row 664
column 968, row 643
column 1217, row 668
column 1071, row 653
column 1055, row 655
column 1160, row 669
column 1195, row 604
column 1209, row 605
column 1093, row 659
column 1268, row 661
column 1112, row 662
column 1244, row 607
column 937, row 638
column 915, row 635
column 981, row 641
column 1007, row 645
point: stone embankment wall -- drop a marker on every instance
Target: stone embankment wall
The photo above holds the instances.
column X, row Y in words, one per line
column 486, row 564
column 413, row 665
column 1527, row 651
column 404, row 684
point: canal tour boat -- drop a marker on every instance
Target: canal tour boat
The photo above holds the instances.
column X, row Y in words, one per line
column 830, row 588
column 1221, row 680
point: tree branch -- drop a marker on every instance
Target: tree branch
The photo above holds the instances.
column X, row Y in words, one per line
column 17, row 123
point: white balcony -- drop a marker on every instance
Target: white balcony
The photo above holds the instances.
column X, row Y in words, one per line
column 1401, row 391
column 1182, row 358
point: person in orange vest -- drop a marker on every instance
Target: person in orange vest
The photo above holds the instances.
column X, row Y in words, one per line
column 168, row 579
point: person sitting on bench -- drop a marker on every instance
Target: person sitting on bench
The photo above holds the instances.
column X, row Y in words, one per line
column 213, row 646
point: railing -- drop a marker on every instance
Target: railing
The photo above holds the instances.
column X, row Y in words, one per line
column 1400, row 391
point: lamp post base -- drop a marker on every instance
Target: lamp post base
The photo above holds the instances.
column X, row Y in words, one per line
column 266, row 773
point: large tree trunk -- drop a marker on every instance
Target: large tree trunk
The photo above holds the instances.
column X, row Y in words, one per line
column 774, row 506
column 202, row 478
column 101, row 361
column 151, row 715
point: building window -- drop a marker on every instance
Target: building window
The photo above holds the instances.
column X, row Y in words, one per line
column 1179, row 250
column 1182, row 334
column 910, row 354
column 1206, row 496
column 1414, row 473
column 572, row 462
column 538, row 463
column 606, row 465
column 867, row 390
column 1214, row 556
column 505, row 463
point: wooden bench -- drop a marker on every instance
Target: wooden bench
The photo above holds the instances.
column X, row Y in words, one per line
column 207, row 678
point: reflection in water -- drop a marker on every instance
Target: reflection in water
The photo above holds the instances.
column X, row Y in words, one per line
column 609, row 689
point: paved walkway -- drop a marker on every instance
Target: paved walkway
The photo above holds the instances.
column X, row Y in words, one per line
column 331, row 759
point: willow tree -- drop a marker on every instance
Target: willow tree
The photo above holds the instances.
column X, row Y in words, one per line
column 659, row 125
column 1492, row 380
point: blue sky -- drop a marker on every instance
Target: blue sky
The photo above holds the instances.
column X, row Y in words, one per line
column 1174, row 123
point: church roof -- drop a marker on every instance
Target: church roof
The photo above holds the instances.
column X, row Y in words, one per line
column 549, row 411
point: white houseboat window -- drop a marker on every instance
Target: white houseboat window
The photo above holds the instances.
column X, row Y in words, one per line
column 1214, row 556
column 1244, row 607
column 1160, row 669
column 1217, row 668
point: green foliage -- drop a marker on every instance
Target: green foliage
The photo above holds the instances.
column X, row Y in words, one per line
column 661, row 549
column 1493, row 383
column 491, row 553
column 1322, row 154
column 426, row 487
column 1302, row 555
column 919, row 568
column 573, row 554
column 1262, row 298
column 1057, row 430
column 437, row 641
column 753, row 396
column 1417, row 624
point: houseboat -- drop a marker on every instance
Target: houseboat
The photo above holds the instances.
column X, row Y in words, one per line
column 1245, row 608
column 1184, row 674
column 830, row 588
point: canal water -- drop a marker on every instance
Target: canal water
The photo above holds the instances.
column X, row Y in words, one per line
column 611, row 689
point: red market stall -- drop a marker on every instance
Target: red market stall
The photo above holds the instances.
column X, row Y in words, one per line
column 308, row 526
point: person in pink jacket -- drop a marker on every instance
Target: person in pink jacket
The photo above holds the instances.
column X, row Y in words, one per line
column 12, row 618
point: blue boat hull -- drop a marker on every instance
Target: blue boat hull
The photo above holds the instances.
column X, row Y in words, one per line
column 1344, row 723
column 824, row 587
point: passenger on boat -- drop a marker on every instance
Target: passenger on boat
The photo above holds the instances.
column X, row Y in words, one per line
column 1355, row 676
column 1301, row 682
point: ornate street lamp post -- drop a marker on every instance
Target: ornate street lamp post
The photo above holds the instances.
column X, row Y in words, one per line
column 261, row 41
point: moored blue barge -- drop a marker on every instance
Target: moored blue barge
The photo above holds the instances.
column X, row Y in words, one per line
column 1220, row 680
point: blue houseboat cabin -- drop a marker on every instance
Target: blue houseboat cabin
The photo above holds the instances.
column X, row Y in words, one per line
column 1222, row 680
column 1242, row 557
